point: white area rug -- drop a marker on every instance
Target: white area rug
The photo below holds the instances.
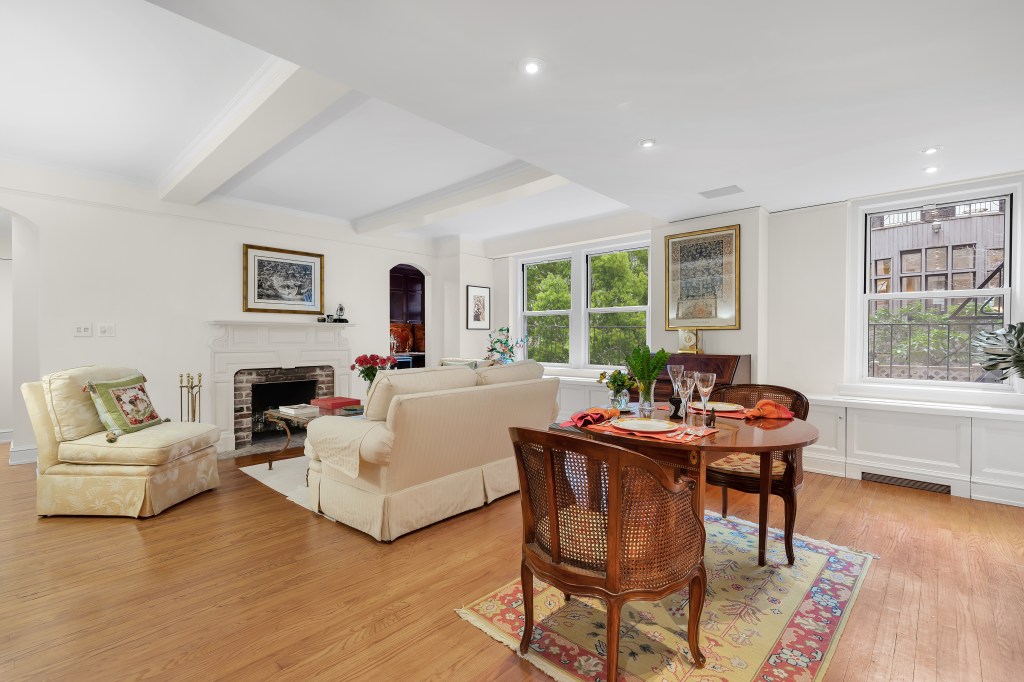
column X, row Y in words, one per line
column 288, row 477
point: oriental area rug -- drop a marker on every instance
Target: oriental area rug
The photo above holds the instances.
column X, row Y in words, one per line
column 766, row 623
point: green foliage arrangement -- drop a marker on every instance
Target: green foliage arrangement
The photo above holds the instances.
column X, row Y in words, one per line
column 502, row 348
column 616, row 381
column 1002, row 350
column 644, row 366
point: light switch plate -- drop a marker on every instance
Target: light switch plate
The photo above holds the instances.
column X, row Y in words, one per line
column 83, row 329
column 106, row 329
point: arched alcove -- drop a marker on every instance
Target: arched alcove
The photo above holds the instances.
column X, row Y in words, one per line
column 408, row 318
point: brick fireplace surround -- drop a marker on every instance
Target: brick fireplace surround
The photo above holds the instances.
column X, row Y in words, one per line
column 251, row 346
column 323, row 375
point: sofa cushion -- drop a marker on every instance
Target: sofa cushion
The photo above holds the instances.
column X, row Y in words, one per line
column 71, row 409
column 390, row 383
column 123, row 404
column 523, row 370
column 163, row 443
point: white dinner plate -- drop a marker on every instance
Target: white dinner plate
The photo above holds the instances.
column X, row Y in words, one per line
column 644, row 425
column 718, row 407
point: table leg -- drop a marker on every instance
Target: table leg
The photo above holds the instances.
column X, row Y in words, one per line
column 287, row 440
column 762, row 517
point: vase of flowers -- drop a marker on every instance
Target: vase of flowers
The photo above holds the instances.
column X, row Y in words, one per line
column 501, row 347
column 369, row 365
column 645, row 367
column 618, row 383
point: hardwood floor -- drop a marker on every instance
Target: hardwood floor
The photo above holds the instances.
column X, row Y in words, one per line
column 239, row 583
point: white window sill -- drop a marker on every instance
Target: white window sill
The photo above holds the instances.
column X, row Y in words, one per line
column 954, row 402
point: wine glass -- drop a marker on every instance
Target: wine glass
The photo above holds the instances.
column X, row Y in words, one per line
column 691, row 380
column 705, row 382
column 675, row 373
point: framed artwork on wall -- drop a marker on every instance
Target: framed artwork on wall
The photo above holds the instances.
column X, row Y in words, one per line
column 282, row 281
column 478, row 307
column 702, row 279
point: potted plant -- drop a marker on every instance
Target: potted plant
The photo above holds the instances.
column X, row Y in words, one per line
column 501, row 348
column 618, row 383
column 1002, row 351
column 645, row 368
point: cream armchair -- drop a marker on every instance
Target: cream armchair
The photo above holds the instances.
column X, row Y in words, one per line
column 140, row 474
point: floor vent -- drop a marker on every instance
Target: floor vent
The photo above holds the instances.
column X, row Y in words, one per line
column 906, row 483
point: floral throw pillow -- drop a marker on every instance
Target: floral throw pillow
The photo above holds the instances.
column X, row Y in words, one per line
column 123, row 405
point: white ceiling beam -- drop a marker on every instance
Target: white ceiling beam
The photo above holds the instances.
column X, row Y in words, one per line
column 277, row 102
column 514, row 181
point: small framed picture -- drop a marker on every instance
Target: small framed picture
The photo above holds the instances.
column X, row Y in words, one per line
column 478, row 307
column 282, row 281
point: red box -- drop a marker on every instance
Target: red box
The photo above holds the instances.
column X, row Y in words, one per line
column 332, row 406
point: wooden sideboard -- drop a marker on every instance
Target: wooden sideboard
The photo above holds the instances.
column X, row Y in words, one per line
column 728, row 369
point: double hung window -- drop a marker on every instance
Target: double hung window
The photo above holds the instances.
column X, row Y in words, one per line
column 935, row 276
column 586, row 308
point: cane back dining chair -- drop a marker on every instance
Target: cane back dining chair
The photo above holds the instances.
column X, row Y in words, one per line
column 607, row 522
column 741, row 470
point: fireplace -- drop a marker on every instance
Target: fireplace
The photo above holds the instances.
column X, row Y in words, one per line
column 257, row 390
column 249, row 346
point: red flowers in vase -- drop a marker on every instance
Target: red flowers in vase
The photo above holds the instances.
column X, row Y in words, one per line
column 368, row 365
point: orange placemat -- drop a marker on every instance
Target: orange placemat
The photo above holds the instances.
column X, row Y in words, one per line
column 671, row 437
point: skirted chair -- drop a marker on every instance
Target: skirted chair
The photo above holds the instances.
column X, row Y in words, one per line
column 607, row 522
column 741, row 470
column 86, row 470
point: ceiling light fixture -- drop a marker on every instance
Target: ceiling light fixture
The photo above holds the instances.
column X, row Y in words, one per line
column 648, row 143
column 931, row 150
column 931, row 169
column 531, row 66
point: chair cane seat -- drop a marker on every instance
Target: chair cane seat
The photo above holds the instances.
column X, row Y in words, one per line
column 746, row 464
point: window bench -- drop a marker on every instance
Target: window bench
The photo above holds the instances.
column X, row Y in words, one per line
column 978, row 451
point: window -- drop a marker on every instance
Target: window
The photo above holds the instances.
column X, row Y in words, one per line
column 587, row 308
column 547, row 306
column 921, row 330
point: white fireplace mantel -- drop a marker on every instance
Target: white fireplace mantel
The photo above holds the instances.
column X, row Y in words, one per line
column 247, row 344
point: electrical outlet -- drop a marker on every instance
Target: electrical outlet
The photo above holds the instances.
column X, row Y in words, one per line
column 83, row 329
column 106, row 329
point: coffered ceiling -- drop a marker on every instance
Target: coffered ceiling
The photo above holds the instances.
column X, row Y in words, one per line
column 412, row 117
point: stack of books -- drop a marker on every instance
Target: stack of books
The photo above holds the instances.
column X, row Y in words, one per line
column 303, row 410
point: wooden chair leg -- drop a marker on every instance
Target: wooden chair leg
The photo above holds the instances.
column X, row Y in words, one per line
column 527, row 583
column 612, row 639
column 725, row 501
column 698, row 587
column 790, row 503
column 567, row 597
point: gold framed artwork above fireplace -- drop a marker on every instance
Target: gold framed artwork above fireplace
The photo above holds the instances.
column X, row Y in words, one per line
column 702, row 279
column 282, row 281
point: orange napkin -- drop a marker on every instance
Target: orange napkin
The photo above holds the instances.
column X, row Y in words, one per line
column 593, row 415
column 769, row 409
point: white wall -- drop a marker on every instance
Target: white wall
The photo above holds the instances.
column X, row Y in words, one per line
column 750, row 337
column 26, row 280
column 477, row 271
column 162, row 272
column 806, row 303
column 6, row 327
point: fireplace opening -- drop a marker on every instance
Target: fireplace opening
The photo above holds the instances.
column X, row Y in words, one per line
column 274, row 395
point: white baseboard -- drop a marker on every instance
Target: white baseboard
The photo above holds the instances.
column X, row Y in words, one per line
column 960, row 486
column 821, row 463
column 6, row 435
column 24, row 455
column 995, row 492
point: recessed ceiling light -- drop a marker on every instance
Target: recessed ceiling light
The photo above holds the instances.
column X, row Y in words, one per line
column 531, row 66
column 931, row 169
column 931, row 150
column 648, row 143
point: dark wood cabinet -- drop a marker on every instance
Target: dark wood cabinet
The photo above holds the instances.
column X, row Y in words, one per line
column 728, row 369
column 406, row 295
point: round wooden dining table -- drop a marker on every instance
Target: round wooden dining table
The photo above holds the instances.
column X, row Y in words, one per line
column 757, row 436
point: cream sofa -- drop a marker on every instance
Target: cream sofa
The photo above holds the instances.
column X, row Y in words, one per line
column 141, row 474
column 433, row 443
